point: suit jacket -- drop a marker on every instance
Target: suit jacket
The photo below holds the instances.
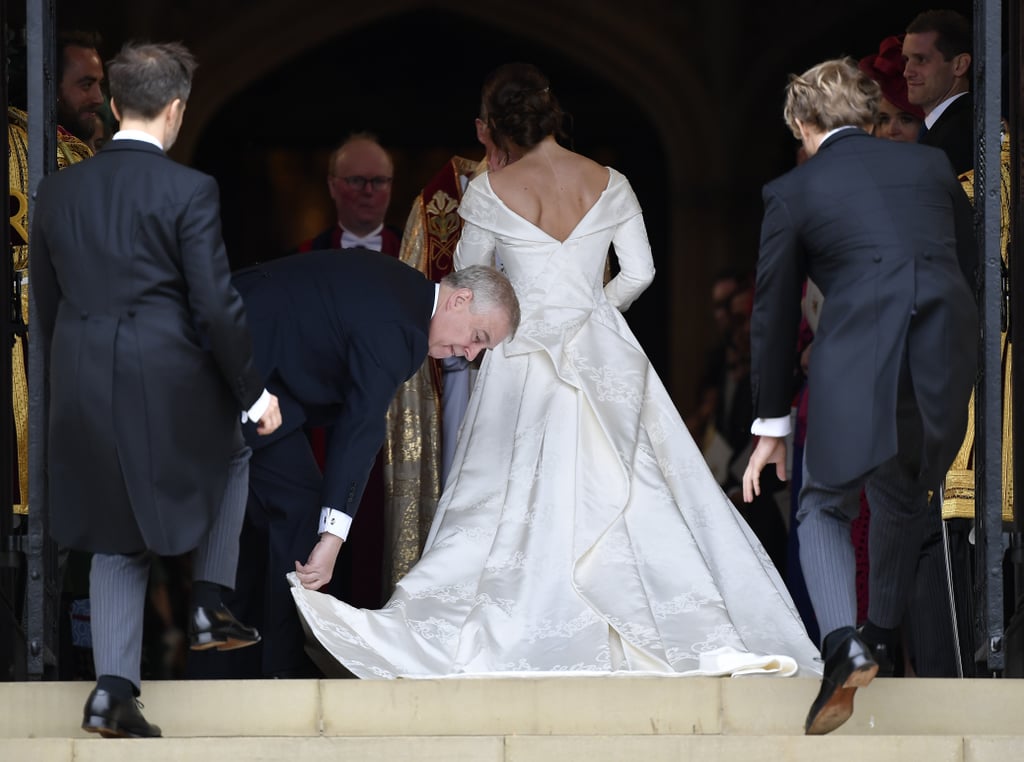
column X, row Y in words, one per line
column 953, row 132
column 148, row 357
column 884, row 229
column 335, row 336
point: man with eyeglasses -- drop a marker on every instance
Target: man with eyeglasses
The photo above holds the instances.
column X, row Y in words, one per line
column 359, row 177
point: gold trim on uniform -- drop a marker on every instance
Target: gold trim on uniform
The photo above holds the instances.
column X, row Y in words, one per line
column 958, row 494
column 70, row 150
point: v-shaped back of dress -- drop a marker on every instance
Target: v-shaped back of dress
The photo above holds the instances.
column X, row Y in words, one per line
column 543, row 269
column 573, row 228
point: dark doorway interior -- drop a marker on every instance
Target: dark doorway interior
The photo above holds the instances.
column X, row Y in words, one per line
column 414, row 81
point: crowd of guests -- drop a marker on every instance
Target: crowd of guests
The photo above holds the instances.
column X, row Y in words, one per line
column 858, row 545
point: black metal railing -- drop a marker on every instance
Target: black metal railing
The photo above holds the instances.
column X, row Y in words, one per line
column 1015, row 97
column 12, row 637
column 43, row 583
column 29, row 563
column 989, row 407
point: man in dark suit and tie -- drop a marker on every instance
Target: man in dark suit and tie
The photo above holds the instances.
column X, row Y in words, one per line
column 149, row 367
column 884, row 229
column 937, row 49
column 335, row 334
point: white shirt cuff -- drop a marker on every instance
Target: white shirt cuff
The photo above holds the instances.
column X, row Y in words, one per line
column 334, row 522
column 771, row 427
column 258, row 409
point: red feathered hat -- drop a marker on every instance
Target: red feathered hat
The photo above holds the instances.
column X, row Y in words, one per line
column 886, row 68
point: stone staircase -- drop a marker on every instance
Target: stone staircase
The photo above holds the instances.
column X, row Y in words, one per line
column 540, row 719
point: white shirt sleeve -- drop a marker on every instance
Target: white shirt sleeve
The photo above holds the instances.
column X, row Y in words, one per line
column 334, row 522
column 771, row 427
column 258, row 409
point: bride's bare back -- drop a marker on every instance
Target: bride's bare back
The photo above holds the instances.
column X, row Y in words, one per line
column 551, row 187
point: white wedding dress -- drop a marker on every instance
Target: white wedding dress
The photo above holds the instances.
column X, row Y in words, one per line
column 580, row 529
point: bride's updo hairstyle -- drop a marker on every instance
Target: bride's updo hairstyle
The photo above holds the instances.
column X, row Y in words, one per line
column 519, row 108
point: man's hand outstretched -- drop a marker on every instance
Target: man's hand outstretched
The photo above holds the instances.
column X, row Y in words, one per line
column 767, row 450
column 319, row 567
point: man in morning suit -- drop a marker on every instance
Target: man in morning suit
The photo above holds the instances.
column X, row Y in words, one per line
column 335, row 334
column 884, row 229
column 937, row 49
column 149, row 365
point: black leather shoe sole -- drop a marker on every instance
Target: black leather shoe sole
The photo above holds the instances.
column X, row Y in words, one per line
column 105, row 728
column 828, row 712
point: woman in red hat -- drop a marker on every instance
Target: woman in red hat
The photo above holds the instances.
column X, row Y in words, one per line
column 898, row 119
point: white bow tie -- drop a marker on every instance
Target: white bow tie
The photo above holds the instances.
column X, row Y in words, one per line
column 373, row 241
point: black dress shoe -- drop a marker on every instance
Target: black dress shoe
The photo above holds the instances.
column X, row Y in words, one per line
column 851, row 666
column 113, row 717
column 218, row 628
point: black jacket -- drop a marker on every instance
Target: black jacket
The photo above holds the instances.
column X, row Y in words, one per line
column 884, row 230
column 953, row 132
column 147, row 353
column 335, row 333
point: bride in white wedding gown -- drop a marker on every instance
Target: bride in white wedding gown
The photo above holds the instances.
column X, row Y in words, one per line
column 580, row 529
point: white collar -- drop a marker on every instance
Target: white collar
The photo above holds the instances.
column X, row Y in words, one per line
column 933, row 117
column 145, row 137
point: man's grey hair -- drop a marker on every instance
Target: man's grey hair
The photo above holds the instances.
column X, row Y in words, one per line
column 491, row 290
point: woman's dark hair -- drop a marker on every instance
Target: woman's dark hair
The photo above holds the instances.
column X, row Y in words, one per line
column 518, row 107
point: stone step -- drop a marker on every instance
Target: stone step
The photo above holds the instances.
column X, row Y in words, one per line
column 524, row 718
column 523, row 748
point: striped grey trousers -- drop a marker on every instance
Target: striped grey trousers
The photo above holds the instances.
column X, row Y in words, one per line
column 117, row 583
column 899, row 523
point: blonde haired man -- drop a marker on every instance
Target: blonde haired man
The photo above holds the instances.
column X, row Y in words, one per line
column 884, row 229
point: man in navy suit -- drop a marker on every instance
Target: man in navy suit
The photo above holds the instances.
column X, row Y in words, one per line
column 884, row 230
column 335, row 334
column 149, row 365
column 937, row 49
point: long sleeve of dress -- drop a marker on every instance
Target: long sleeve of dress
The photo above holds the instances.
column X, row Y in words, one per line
column 636, row 265
column 475, row 246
